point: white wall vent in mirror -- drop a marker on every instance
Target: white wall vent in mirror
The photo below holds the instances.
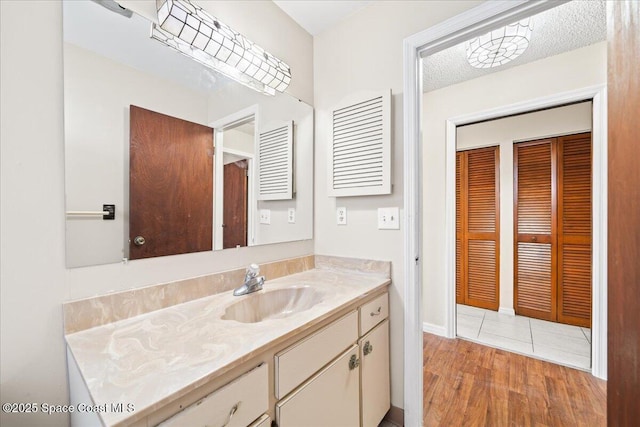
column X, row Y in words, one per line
column 275, row 163
column 360, row 151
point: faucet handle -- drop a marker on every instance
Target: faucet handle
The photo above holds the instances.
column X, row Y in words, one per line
column 253, row 270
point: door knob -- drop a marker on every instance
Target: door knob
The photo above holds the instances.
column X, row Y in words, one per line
column 139, row 241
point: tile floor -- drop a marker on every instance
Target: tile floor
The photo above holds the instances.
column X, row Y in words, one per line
column 563, row 344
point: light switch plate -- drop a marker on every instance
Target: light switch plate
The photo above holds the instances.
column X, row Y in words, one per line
column 341, row 216
column 291, row 215
column 265, row 216
column 388, row 218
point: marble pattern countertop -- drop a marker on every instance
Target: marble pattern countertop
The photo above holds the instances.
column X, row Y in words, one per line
column 152, row 359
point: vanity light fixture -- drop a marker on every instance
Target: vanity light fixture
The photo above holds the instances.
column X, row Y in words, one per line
column 194, row 32
column 500, row 45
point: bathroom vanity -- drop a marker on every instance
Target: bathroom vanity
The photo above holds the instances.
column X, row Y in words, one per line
column 310, row 349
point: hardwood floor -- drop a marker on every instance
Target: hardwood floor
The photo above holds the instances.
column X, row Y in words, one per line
column 469, row 384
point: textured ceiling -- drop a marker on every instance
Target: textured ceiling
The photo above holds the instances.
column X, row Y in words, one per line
column 567, row 27
column 315, row 16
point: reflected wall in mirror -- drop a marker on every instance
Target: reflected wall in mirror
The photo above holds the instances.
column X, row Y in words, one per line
column 111, row 63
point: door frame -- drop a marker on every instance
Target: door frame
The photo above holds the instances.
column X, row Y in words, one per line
column 226, row 123
column 596, row 94
column 473, row 22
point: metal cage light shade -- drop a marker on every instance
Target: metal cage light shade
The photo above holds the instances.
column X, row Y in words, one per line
column 192, row 31
column 500, row 46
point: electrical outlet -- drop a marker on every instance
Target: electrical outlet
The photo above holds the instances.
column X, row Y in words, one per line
column 265, row 216
column 388, row 219
column 291, row 215
column 341, row 216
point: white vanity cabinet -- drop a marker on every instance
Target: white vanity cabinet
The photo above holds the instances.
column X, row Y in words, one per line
column 354, row 389
column 330, row 372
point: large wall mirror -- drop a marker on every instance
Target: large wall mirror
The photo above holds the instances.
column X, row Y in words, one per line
column 124, row 94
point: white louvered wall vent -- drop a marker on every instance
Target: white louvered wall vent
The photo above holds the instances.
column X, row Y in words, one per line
column 360, row 155
column 275, row 163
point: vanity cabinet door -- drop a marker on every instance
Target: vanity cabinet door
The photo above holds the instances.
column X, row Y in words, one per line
column 329, row 398
column 375, row 386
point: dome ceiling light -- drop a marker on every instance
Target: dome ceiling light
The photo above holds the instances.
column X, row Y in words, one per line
column 500, row 45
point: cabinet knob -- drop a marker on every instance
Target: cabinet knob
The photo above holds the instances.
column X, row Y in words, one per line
column 367, row 349
column 354, row 362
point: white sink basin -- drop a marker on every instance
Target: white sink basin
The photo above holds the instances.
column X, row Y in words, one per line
column 275, row 304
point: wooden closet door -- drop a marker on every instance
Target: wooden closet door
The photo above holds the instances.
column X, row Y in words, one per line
column 535, row 226
column 552, row 195
column 574, row 229
column 477, row 243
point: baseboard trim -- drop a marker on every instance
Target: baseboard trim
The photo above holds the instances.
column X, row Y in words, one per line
column 434, row 329
column 395, row 416
column 509, row 311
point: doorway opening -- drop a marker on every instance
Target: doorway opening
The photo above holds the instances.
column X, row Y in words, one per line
column 234, row 215
column 528, row 288
column 438, row 38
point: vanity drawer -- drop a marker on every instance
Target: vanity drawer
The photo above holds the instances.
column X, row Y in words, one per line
column 373, row 313
column 298, row 362
column 248, row 394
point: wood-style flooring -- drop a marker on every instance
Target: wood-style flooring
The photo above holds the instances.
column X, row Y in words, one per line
column 469, row 384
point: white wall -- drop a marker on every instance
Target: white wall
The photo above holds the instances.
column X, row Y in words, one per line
column 364, row 52
column 569, row 71
column 33, row 277
column 238, row 140
column 504, row 132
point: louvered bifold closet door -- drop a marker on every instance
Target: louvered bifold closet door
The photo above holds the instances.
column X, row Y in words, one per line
column 534, row 179
column 574, row 229
column 478, row 225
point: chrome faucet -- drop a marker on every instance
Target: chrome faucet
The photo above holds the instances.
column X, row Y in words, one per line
column 252, row 282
